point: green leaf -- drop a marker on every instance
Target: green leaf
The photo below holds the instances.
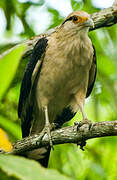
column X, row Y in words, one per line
column 24, row 169
column 8, row 67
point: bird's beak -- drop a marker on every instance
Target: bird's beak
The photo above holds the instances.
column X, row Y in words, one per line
column 89, row 23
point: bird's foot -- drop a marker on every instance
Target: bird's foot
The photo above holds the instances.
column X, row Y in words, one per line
column 82, row 145
column 84, row 121
column 47, row 129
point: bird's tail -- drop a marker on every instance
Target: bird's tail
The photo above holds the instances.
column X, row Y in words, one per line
column 41, row 155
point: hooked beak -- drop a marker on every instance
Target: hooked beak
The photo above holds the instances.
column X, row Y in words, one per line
column 89, row 23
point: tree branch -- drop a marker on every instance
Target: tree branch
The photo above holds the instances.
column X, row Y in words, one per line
column 67, row 135
column 104, row 18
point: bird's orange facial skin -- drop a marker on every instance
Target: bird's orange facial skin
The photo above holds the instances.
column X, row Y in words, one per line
column 81, row 16
column 79, row 19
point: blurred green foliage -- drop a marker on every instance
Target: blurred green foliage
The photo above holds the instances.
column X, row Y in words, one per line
column 14, row 7
column 14, row 167
column 98, row 161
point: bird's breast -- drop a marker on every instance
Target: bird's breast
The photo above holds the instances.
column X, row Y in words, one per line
column 63, row 74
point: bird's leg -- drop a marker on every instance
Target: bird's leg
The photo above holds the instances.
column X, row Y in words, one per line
column 47, row 127
column 80, row 99
column 85, row 119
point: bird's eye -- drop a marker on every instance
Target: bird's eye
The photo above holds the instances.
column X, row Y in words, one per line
column 75, row 18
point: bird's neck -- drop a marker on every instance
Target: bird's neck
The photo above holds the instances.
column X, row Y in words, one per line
column 72, row 46
column 72, row 41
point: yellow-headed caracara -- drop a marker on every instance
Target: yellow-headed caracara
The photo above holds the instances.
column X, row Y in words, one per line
column 59, row 76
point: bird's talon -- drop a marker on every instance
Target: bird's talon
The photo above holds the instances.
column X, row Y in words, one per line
column 84, row 121
column 90, row 126
column 82, row 145
column 76, row 123
column 89, row 123
column 79, row 124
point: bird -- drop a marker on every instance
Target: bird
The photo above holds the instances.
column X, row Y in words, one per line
column 59, row 76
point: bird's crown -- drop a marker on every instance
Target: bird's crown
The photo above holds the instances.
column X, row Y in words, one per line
column 80, row 18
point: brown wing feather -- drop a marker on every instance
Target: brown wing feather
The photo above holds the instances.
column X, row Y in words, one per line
column 92, row 74
column 29, row 75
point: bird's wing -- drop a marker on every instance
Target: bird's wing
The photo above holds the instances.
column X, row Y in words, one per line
column 92, row 74
column 35, row 60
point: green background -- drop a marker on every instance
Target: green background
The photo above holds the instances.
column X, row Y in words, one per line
column 99, row 160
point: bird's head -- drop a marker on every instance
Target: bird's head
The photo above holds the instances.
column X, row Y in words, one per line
column 78, row 20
